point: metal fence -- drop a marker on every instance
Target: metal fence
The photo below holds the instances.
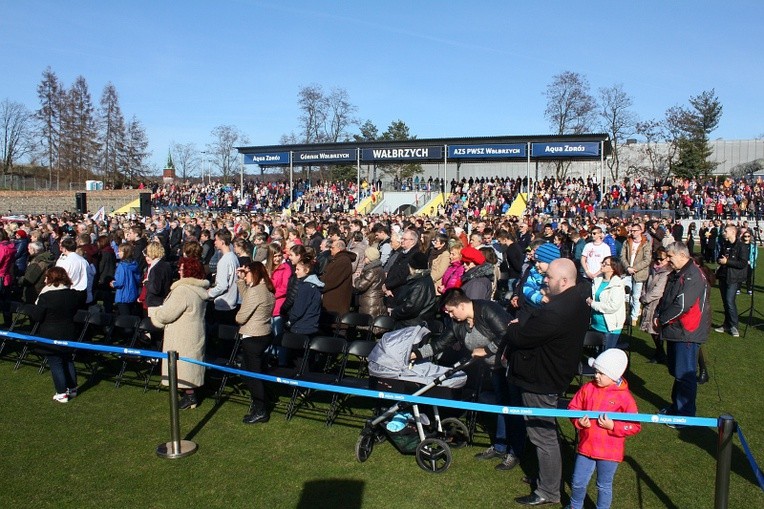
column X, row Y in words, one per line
column 28, row 183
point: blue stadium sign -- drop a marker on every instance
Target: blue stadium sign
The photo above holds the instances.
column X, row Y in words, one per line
column 571, row 149
column 402, row 153
column 493, row 151
column 325, row 156
column 267, row 159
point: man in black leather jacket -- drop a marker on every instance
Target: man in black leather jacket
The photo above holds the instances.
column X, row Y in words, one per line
column 478, row 327
column 733, row 262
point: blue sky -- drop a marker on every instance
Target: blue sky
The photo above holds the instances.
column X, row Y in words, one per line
column 445, row 68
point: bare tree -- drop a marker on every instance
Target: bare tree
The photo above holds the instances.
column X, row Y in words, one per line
column 186, row 158
column 313, row 117
column 338, row 115
column 617, row 120
column 570, row 108
column 223, row 149
column 112, row 138
column 50, row 93
column 658, row 161
column 16, row 133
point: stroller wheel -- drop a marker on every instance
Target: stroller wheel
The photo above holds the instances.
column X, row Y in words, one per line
column 364, row 446
column 433, row 455
column 455, row 432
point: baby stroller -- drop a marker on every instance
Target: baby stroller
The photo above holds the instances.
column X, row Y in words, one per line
column 412, row 433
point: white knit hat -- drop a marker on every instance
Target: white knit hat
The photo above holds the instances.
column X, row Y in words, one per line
column 612, row 362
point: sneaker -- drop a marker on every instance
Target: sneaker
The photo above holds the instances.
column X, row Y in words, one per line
column 734, row 332
column 737, row 292
column 676, row 426
column 510, row 461
column 721, row 330
column 634, row 322
column 72, row 393
column 188, row 401
column 750, row 292
column 61, row 397
column 490, row 454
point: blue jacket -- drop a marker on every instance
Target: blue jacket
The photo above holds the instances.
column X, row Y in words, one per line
column 306, row 310
column 533, row 286
column 127, row 281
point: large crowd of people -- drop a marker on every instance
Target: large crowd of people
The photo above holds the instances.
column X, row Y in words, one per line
column 520, row 293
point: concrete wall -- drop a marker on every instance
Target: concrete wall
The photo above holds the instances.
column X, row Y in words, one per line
column 49, row 202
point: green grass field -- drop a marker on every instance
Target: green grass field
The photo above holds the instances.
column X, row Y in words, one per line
column 99, row 450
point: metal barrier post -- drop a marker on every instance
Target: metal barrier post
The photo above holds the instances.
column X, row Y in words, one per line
column 724, row 461
column 177, row 448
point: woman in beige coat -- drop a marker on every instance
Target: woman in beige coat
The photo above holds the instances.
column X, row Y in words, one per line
column 182, row 318
column 254, row 318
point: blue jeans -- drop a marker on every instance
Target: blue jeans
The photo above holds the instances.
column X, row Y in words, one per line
column 63, row 372
column 582, row 472
column 729, row 292
column 682, row 360
column 510, row 429
column 611, row 339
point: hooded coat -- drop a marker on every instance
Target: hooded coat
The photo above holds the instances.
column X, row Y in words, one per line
column 306, row 310
column 181, row 316
column 33, row 279
column 368, row 286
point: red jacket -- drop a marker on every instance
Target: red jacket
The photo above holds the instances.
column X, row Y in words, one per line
column 598, row 443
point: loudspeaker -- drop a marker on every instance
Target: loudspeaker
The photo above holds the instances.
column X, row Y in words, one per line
column 145, row 207
column 81, row 202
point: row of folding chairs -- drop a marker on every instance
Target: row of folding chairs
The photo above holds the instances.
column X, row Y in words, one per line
column 322, row 359
column 94, row 326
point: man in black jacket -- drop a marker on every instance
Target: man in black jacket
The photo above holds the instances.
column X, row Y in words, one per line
column 399, row 271
column 733, row 262
column 478, row 327
column 543, row 351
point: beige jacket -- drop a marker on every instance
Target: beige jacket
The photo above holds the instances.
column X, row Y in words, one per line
column 254, row 315
column 181, row 315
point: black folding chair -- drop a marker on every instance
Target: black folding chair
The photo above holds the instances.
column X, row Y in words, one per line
column 227, row 334
column 354, row 376
column 324, row 362
column 296, row 346
column 594, row 342
column 353, row 325
column 30, row 315
column 20, row 322
column 379, row 326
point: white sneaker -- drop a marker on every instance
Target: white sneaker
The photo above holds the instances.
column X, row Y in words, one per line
column 734, row 332
column 61, row 398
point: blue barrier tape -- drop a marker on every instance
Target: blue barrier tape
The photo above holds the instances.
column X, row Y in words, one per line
column 407, row 398
column 754, row 466
column 464, row 405
column 86, row 346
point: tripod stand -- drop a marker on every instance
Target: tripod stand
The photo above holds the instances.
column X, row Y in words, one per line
column 751, row 311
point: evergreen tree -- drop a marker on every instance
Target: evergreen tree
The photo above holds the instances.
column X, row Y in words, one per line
column 692, row 127
column 112, row 136
column 79, row 145
column 49, row 116
column 135, row 152
column 398, row 130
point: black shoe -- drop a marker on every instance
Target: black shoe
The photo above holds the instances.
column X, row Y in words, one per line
column 703, row 376
column 188, row 401
column 510, row 461
column 256, row 416
column 534, row 499
column 490, row 454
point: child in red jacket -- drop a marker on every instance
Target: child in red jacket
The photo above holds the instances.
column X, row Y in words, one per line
column 601, row 442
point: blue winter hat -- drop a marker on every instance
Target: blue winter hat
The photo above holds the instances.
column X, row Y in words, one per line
column 547, row 252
